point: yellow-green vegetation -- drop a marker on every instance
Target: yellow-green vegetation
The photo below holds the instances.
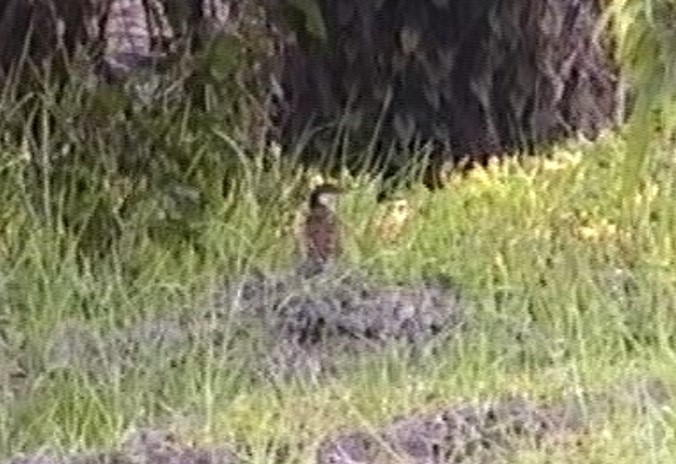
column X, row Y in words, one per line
column 571, row 288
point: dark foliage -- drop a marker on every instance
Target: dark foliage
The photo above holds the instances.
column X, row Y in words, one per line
column 117, row 101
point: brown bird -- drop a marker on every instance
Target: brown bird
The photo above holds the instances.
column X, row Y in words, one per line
column 320, row 235
column 391, row 221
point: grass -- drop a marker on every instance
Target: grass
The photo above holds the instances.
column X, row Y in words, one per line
column 535, row 245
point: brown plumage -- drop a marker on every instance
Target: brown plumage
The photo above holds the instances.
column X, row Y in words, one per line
column 320, row 235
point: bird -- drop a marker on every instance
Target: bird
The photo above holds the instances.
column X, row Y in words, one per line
column 319, row 234
column 389, row 224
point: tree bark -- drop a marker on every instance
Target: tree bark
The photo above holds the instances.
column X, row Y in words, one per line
column 471, row 77
column 119, row 36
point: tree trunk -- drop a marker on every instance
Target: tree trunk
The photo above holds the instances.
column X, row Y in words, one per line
column 119, row 36
column 471, row 77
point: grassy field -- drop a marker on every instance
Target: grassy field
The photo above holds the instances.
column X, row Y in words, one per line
column 571, row 289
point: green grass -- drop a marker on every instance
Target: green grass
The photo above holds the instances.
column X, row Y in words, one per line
column 533, row 244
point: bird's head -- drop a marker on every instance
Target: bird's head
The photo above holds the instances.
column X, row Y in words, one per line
column 325, row 195
column 399, row 209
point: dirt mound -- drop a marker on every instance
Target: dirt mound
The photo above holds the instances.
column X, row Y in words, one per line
column 462, row 434
column 466, row 433
column 146, row 446
column 317, row 323
column 489, row 432
column 276, row 325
